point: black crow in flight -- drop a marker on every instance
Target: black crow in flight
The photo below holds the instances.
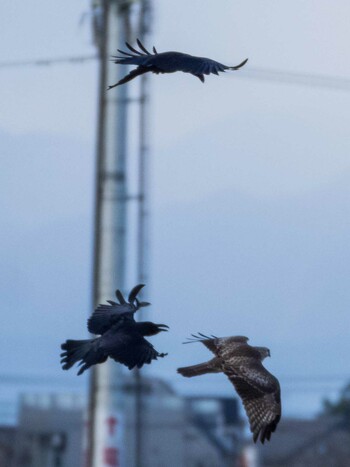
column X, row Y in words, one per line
column 167, row 62
column 242, row 364
column 122, row 338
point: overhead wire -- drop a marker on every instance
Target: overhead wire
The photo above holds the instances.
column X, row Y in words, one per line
column 50, row 379
column 48, row 61
column 314, row 80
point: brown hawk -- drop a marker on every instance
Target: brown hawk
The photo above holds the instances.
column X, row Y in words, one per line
column 242, row 364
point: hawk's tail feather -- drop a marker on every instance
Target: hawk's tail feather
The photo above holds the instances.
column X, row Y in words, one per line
column 200, row 369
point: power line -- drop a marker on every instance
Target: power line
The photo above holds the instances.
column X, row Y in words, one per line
column 6, row 378
column 48, row 61
column 337, row 83
column 22, row 379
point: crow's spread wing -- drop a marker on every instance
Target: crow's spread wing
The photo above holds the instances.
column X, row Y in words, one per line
column 200, row 65
column 105, row 316
column 203, row 66
column 261, row 397
column 138, row 355
column 128, row 348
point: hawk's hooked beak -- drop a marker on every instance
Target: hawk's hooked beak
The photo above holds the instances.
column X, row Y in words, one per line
column 160, row 326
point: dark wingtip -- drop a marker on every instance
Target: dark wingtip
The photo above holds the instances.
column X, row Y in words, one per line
column 130, row 47
column 238, row 66
column 199, row 337
column 120, row 297
column 113, row 86
column 142, row 47
column 134, row 292
column 204, row 336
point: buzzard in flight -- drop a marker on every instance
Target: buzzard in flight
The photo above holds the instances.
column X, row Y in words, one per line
column 242, row 364
column 167, row 62
column 121, row 337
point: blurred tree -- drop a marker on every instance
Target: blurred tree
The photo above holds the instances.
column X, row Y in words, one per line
column 340, row 408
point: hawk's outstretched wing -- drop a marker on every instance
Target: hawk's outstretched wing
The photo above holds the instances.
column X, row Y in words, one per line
column 220, row 346
column 261, row 397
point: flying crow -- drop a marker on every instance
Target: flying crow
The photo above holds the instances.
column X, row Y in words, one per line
column 242, row 364
column 167, row 62
column 122, row 338
column 106, row 315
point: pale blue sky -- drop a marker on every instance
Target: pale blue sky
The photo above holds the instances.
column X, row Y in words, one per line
column 249, row 188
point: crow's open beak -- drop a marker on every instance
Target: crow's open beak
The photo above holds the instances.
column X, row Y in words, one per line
column 160, row 326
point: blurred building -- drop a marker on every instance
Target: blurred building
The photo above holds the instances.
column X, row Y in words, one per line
column 176, row 431
column 7, row 441
column 50, row 430
column 320, row 442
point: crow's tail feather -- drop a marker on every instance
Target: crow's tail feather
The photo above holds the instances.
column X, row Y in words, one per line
column 75, row 351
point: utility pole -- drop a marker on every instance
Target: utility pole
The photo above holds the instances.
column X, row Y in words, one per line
column 142, row 247
column 105, row 426
column 112, row 27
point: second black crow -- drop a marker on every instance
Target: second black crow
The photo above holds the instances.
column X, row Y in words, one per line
column 167, row 62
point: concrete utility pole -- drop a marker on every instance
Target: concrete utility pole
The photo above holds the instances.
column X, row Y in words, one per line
column 112, row 24
column 104, row 447
column 142, row 246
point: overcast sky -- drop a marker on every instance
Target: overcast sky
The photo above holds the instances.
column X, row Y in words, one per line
column 249, row 189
